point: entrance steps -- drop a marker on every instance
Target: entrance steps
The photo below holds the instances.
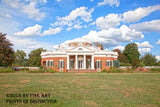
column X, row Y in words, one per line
column 80, row 70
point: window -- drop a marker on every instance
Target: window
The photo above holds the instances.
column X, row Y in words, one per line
column 61, row 64
column 107, row 63
column 98, row 64
column 80, row 49
column 89, row 64
column 72, row 45
column 51, row 63
column 47, row 63
column 80, row 44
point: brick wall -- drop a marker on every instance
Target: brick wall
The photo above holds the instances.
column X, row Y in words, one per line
column 56, row 60
column 103, row 60
column 76, row 44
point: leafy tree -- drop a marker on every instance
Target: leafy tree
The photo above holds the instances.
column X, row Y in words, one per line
column 35, row 58
column 158, row 63
column 121, row 57
column 132, row 54
column 20, row 58
column 6, row 51
column 149, row 59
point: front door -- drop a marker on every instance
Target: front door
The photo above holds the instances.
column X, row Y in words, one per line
column 71, row 64
column 80, row 64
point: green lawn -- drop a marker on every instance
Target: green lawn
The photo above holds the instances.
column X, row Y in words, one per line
column 83, row 89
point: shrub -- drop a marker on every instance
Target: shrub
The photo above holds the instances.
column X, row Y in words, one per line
column 42, row 71
column 51, row 71
column 155, row 69
column 103, row 70
column 24, row 69
column 115, row 70
column 6, row 70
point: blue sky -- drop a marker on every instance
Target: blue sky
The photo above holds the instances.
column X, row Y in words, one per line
column 31, row 24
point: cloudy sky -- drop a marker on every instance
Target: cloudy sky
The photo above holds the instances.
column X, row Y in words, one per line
column 31, row 24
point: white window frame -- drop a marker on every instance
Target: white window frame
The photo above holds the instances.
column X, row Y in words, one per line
column 108, row 63
column 98, row 64
column 51, row 63
column 61, row 64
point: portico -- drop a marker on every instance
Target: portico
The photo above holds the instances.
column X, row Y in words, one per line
column 80, row 61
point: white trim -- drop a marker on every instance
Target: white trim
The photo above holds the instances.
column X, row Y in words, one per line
column 92, row 62
column 67, row 61
column 84, row 61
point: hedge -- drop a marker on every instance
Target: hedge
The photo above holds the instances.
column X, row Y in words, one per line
column 7, row 70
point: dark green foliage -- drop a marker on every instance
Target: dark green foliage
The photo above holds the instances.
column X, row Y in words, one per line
column 6, row 51
column 121, row 57
column 148, row 59
column 20, row 58
column 116, row 63
column 6, row 70
column 43, row 71
column 155, row 69
column 115, row 70
column 24, row 69
column 104, row 70
column 132, row 54
column 35, row 58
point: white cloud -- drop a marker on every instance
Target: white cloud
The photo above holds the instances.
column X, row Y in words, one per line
column 144, row 47
column 32, row 11
column 51, row 31
column 58, row 0
column 144, row 44
column 144, row 50
column 29, row 9
column 150, row 26
column 111, row 20
column 136, row 15
column 158, row 58
column 110, row 2
column 30, row 31
column 158, row 42
column 27, row 44
column 119, row 47
column 75, row 17
column 77, row 25
column 114, row 36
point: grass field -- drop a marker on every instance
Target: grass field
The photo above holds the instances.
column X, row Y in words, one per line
column 82, row 89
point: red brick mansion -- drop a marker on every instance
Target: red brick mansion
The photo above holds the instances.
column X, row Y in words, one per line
column 79, row 56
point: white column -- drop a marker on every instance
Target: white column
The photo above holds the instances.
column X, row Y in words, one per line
column 92, row 62
column 76, row 63
column 67, row 61
column 84, row 61
column 46, row 62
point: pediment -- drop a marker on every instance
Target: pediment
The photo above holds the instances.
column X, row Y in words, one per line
column 81, row 49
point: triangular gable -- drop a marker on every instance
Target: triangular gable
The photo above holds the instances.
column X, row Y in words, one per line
column 80, row 49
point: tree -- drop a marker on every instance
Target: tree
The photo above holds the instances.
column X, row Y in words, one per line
column 20, row 58
column 35, row 58
column 132, row 54
column 148, row 59
column 6, row 51
column 121, row 57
